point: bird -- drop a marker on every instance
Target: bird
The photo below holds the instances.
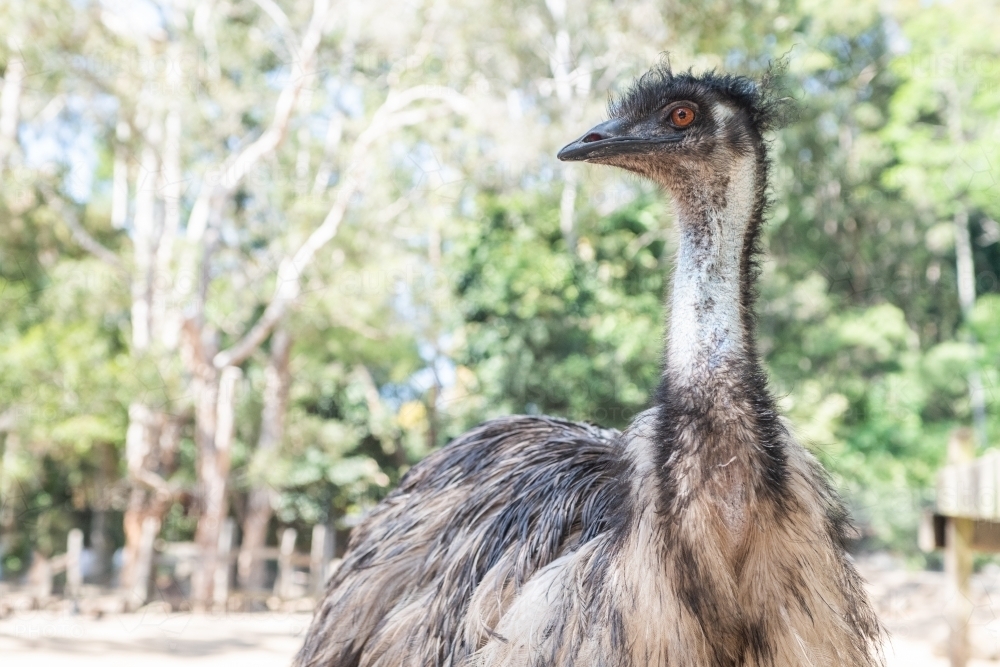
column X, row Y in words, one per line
column 703, row 535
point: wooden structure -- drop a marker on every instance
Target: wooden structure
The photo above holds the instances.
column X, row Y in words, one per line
column 299, row 574
column 184, row 558
column 966, row 519
column 44, row 570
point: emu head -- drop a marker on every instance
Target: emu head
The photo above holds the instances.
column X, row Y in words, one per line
column 681, row 130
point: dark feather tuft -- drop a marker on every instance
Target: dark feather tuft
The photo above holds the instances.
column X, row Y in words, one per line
column 761, row 98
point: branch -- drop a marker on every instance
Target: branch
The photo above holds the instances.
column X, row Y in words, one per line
column 643, row 240
column 360, row 328
column 236, row 167
column 81, row 235
column 393, row 114
column 281, row 20
column 372, row 398
column 161, row 487
column 211, row 198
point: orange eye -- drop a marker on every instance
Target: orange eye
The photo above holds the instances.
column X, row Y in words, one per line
column 682, row 116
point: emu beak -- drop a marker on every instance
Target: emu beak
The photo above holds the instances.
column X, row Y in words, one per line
column 608, row 139
column 596, row 142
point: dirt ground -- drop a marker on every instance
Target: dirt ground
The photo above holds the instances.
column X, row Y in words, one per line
column 40, row 639
column 912, row 607
column 911, row 604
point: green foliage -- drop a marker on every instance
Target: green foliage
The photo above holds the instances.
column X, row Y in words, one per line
column 451, row 293
column 554, row 332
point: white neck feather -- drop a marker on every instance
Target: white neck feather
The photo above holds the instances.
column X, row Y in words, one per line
column 706, row 323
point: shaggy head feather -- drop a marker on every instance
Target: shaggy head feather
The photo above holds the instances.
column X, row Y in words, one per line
column 762, row 99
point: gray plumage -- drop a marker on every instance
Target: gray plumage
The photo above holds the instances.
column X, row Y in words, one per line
column 468, row 510
column 704, row 535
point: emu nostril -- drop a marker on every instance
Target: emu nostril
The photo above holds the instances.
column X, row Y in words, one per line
column 593, row 136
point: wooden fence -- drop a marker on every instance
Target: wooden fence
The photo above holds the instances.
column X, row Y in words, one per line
column 298, row 574
column 966, row 519
column 45, row 570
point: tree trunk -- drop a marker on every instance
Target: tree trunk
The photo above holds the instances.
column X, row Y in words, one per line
column 119, row 177
column 150, row 497
column 150, row 443
column 10, row 491
column 210, row 491
column 966, row 272
column 272, row 428
column 138, row 593
column 567, row 79
column 10, row 106
column 100, row 540
column 101, row 546
column 214, row 421
column 567, row 205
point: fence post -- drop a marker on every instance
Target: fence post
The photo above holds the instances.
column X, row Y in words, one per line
column 220, row 589
column 285, row 567
column 74, row 571
column 40, row 575
column 958, row 559
column 320, row 555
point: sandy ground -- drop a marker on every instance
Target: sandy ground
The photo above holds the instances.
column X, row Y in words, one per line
column 40, row 639
column 911, row 604
column 912, row 607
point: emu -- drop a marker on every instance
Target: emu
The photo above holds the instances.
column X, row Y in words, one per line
column 703, row 535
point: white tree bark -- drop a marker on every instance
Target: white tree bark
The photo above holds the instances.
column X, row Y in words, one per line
column 165, row 315
column 119, row 177
column 144, row 238
column 394, row 113
column 10, row 107
column 150, row 441
column 965, row 271
column 170, row 266
column 79, row 233
column 214, row 400
column 143, row 566
column 215, row 421
column 277, row 380
column 566, row 86
column 233, row 170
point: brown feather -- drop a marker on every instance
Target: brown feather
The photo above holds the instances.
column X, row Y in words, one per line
column 703, row 536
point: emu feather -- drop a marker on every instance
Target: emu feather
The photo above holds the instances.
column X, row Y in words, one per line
column 702, row 536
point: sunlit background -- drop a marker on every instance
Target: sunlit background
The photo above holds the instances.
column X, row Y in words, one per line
column 258, row 257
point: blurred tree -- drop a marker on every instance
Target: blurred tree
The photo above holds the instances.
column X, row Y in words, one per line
column 572, row 334
column 946, row 133
column 184, row 341
column 193, row 236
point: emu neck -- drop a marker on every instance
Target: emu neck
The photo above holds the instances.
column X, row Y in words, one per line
column 719, row 435
column 719, row 453
column 708, row 338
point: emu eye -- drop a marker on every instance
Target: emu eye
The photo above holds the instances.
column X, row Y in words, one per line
column 682, row 116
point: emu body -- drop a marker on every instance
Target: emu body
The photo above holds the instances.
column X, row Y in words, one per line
column 704, row 535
